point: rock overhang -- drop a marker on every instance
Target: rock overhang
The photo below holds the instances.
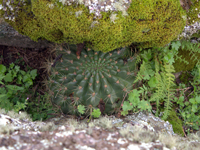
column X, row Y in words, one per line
column 119, row 23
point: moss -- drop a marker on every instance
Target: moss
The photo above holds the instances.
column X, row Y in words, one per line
column 161, row 20
column 181, row 66
column 184, row 77
column 193, row 13
column 176, row 123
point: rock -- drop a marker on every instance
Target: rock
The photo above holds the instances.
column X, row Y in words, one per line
column 189, row 31
column 10, row 37
column 132, row 132
column 59, row 23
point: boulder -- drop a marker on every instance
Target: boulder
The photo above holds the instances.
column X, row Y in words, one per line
column 137, row 131
column 10, row 37
column 59, row 22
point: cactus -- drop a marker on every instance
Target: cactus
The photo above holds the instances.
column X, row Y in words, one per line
column 94, row 78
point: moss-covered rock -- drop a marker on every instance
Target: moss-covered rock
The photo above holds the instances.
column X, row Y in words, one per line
column 176, row 123
column 150, row 23
column 180, row 66
column 184, row 77
column 185, row 53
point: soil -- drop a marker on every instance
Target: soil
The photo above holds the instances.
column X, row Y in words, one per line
column 32, row 58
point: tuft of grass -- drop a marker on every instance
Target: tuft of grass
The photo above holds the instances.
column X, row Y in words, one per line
column 6, row 129
column 138, row 134
column 103, row 122
column 168, row 140
column 50, row 126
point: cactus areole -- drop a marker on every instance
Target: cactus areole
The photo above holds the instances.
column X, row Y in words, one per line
column 94, row 78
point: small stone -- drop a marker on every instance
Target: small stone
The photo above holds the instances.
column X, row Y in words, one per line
column 108, row 3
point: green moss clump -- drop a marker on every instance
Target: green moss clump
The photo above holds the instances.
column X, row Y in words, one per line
column 176, row 123
column 152, row 23
column 184, row 77
column 193, row 13
column 181, row 66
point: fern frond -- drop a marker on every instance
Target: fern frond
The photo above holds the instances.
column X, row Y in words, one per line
column 138, row 59
column 181, row 59
column 168, row 106
column 144, row 69
column 169, row 83
column 159, row 94
column 192, row 47
column 164, row 87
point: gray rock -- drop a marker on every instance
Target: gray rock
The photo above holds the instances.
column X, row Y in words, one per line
column 134, row 132
column 189, row 31
column 10, row 37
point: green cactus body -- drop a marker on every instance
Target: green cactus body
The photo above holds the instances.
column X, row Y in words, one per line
column 91, row 78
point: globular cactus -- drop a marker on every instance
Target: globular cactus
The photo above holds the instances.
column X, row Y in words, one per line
column 94, row 78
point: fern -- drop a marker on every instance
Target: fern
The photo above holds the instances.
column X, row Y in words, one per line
column 164, row 88
column 169, row 83
column 192, row 47
column 163, row 71
column 138, row 59
column 158, row 95
column 181, row 59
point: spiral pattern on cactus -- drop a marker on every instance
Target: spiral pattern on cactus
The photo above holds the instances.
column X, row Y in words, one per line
column 94, row 79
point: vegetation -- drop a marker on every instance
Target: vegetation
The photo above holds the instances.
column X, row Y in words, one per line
column 157, row 75
column 15, row 93
column 193, row 12
column 12, row 96
column 155, row 89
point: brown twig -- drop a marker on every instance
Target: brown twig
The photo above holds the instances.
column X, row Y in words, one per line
column 183, row 89
column 184, row 132
column 122, row 101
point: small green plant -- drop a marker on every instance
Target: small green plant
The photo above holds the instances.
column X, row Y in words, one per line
column 40, row 107
column 81, row 109
column 93, row 112
column 156, row 73
column 190, row 109
column 190, row 112
column 13, row 96
column 134, row 103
